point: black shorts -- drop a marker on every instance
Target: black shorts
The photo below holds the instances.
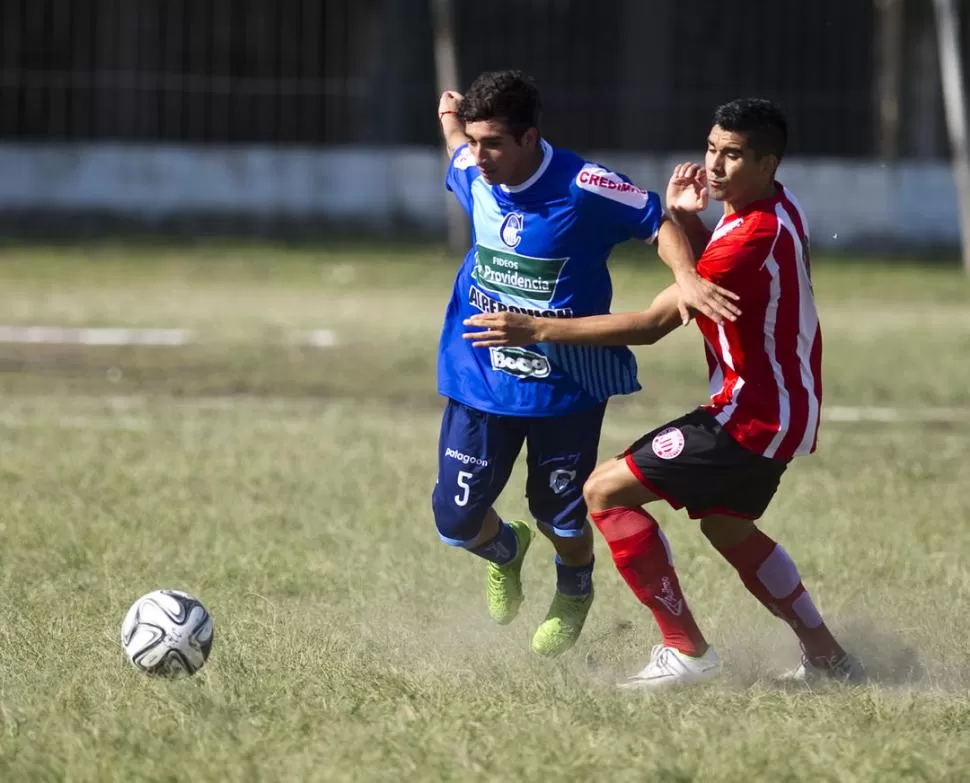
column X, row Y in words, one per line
column 693, row 463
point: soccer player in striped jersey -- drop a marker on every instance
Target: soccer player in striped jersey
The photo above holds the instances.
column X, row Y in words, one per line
column 543, row 224
column 723, row 461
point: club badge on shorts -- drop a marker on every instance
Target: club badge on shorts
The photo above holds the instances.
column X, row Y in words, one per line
column 668, row 443
column 559, row 480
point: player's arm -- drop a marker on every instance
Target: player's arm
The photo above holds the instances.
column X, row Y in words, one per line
column 452, row 131
column 626, row 211
column 686, row 199
column 643, row 328
column 694, row 229
column 696, row 293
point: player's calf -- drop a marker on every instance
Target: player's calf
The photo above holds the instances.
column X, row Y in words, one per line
column 771, row 576
column 641, row 553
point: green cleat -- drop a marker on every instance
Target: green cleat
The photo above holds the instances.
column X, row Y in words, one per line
column 504, row 588
column 563, row 624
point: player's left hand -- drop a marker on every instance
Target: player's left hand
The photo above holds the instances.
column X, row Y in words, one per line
column 503, row 329
column 703, row 296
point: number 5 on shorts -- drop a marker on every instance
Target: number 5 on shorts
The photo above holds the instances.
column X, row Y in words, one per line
column 462, row 499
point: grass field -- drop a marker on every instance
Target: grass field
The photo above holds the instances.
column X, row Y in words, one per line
column 288, row 487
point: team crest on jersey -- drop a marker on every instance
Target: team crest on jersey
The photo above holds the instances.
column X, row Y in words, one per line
column 668, row 443
column 511, row 231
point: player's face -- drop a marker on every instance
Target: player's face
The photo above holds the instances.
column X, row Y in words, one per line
column 734, row 171
column 500, row 158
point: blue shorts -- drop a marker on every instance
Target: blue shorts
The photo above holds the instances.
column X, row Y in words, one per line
column 476, row 453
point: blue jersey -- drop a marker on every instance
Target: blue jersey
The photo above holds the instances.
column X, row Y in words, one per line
column 541, row 248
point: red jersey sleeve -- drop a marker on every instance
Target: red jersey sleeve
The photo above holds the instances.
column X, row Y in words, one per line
column 734, row 260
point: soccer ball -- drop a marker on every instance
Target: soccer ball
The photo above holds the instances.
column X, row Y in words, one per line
column 167, row 632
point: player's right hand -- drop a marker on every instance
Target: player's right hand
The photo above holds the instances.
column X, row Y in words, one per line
column 449, row 101
column 687, row 189
column 502, row 329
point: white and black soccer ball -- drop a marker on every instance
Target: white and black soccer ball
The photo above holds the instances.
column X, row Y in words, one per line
column 167, row 632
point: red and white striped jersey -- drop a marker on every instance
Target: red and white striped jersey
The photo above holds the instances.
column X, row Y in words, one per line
column 766, row 367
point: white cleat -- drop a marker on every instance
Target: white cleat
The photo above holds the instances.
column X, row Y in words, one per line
column 847, row 670
column 668, row 667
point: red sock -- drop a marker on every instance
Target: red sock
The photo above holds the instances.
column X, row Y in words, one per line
column 771, row 576
column 642, row 556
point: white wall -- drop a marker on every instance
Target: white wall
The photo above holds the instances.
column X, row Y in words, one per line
column 848, row 203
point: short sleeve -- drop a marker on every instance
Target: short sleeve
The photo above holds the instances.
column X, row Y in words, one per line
column 461, row 172
column 733, row 260
column 613, row 200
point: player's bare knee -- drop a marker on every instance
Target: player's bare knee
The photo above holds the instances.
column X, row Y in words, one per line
column 600, row 489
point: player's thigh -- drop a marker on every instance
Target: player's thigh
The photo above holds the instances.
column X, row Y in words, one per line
column 693, row 463
column 476, row 452
column 562, row 452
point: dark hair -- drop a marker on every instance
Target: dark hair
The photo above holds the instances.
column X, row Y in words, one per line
column 761, row 121
column 509, row 96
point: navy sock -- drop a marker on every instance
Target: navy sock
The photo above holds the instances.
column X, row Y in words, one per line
column 501, row 549
column 574, row 580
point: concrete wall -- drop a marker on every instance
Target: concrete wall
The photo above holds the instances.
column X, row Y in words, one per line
column 849, row 203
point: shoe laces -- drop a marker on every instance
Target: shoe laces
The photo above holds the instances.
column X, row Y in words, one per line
column 659, row 658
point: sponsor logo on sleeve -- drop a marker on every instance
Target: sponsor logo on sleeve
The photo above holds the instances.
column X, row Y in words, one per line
column 465, row 160
column 611, row 185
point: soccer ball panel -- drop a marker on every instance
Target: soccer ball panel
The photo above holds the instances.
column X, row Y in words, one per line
column 167, row 632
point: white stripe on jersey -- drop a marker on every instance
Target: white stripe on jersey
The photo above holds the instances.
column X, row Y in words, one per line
column 807, row 327
column 717, row 376
column 725, row 346
column 801, row 214
column 728, row 410
column 599, row 371
column 725, row 415
column 771, row 349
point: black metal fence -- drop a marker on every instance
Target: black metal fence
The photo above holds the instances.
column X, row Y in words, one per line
column 615, row 74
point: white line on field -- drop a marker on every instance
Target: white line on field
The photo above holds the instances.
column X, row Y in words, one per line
column 118, row 412
column 13, row 421
column 930, row 415
column 320, row 338
column 66, row 335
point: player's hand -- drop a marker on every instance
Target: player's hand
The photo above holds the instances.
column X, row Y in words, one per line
column 687, row 189
column 503, row 329
column 449, row 101
column 701, row 295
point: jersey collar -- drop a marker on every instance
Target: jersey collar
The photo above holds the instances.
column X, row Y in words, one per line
column 546, row 160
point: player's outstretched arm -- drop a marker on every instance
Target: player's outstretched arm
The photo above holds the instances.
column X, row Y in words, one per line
column 697, row 293
column 516, row 329
column 452, row 131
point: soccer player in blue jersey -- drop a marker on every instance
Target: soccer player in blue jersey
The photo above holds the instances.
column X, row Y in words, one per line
column 543, row 224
